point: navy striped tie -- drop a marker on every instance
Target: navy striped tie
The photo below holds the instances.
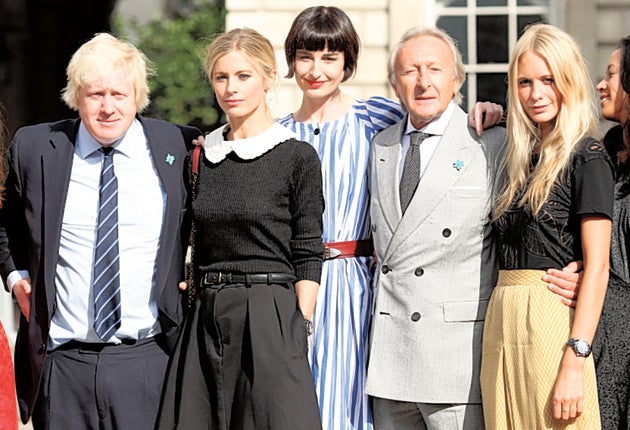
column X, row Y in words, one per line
column 106, row 280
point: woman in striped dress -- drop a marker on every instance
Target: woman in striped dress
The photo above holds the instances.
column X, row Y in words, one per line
column 321, row 51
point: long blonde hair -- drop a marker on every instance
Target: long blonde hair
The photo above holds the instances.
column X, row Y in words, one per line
column 576, row 119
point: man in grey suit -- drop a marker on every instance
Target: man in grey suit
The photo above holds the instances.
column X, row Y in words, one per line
column 434, row 242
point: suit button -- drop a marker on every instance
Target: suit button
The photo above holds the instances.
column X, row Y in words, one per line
column 415, row 317
column 374, row 228
column 385, row 269
column 41, row 349
column 446, row 232
column 419, row 271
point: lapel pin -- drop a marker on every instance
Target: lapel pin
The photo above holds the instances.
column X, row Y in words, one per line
column 458, row 165
column 170, row 158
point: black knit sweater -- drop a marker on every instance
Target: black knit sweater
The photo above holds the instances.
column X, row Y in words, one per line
column 262, row 215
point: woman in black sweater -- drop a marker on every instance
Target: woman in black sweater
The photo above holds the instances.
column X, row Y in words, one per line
column 241, row 361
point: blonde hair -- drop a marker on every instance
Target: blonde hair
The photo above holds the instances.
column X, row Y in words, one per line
column 576, row 118
column 98, row 57
column 438, row 33
column 250, row 42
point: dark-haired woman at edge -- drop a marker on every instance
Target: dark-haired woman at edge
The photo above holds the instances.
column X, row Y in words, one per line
column 8, row 406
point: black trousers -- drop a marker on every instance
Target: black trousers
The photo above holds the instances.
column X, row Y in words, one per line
column 101, row 386
column 241, row 364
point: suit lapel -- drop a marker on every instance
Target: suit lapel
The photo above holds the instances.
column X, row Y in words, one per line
column 56, row 170
column 386, row 161
column 169, row 170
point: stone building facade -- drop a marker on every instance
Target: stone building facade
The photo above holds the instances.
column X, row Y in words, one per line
column 596, row 24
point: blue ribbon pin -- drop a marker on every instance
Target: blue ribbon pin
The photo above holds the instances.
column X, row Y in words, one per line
column 170, row 159
column 458, row 165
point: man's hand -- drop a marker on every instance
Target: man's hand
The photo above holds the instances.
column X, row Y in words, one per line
column 566, row 282
column 22, row 292
column 485, row 115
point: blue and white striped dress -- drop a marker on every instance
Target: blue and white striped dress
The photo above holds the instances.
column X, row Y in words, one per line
column 340, row 344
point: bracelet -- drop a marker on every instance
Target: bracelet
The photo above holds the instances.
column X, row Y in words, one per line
column 309, row 327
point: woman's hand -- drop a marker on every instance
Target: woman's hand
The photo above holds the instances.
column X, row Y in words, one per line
column 568, row 393
column 306, row 292
column 199, row 141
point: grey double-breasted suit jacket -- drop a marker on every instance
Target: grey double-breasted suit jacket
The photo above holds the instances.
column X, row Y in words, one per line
column 436, row 266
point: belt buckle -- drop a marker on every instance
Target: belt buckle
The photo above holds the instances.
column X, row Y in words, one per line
column 330, row 253
column 216, row 278
column 224, row 278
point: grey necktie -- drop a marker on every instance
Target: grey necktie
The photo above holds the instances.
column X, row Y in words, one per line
column 411, row 169
column 106, row 283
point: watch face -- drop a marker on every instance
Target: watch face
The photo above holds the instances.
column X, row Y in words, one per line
column 581, row 347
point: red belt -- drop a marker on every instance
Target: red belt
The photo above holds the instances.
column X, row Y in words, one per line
column 348, row 249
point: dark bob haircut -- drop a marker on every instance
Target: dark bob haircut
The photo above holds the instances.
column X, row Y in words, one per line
column 318, row 27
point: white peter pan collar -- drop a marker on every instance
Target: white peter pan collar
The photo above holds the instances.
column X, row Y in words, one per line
column 216, row 149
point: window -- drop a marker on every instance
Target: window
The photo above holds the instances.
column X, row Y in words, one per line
column 486, row 31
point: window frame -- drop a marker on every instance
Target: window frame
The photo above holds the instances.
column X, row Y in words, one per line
column 471, row 11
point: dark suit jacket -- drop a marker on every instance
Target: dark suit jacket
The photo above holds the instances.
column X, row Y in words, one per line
column 40, row 162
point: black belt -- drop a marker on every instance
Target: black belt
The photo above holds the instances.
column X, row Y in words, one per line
column 99, row 346
column 216, row 278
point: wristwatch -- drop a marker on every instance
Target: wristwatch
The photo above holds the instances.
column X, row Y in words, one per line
column 309, row 327
column 581, row 347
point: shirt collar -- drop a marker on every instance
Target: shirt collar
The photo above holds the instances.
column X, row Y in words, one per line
column 87, row 145
column 216, row 148
column 437, row 127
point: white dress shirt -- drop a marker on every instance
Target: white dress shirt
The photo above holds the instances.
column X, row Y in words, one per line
column 141, row 204
column 435, row 128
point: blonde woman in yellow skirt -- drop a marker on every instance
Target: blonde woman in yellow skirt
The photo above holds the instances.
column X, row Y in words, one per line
column 554, row 206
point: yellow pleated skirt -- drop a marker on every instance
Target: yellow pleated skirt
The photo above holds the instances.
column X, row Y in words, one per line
column 524, row 337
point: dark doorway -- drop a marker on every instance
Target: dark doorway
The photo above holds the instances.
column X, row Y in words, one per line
column 37, row 39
